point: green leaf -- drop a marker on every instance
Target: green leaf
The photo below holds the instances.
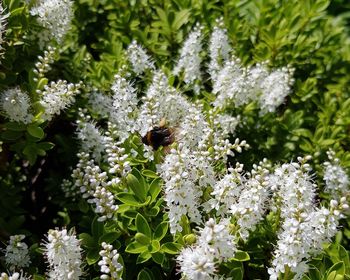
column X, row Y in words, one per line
column 142, row 225
column 236, row 273
column 142, row 239
column 15, row 126
column 92, row 256
column 109, row 237
column 160, row 231
column 241, row 256
column 158, row 257
column 171, row 248
column 11, row 135
column 45, row 145
column 35, row 131
column 96, row 228
column 335, row 270
column 38, row 277
column 154, row 246
column 128, row 198
column 181, row 18
column 143, row 257
column 145, row 275
column 155, row 188
column 135, row 248
column 134, row 184
column 149, row 173
column 87, row 240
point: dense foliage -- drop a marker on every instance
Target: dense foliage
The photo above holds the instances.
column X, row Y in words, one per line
column 252, row 183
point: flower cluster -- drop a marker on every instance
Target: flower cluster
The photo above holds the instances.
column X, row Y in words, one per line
column 57, row 96
column 190, row 61
column 14, row 276
column 91, row 138
column 182, row 173
column 55, row 16
column 124, row 107
column 138, row 58
column 251, row 204
column 110, row 266
column 43, row 65
column 219, row 49
column 238, row 85
column 63, row 253
column 16, row 105
column 304, row 228
column 335, row 177
column 214, row 244
column 16, row 253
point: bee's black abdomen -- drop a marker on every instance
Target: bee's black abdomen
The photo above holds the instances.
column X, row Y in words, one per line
column 159, row 136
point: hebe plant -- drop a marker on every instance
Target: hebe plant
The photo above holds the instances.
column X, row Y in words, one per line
column 233, row 83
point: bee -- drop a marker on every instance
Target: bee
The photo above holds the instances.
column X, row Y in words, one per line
column 161, row 135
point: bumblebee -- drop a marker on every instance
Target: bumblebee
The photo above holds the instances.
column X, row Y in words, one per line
column 161, row 135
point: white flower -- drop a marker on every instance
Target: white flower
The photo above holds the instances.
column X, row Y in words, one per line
column 226, row 191
column 14, row 276
column 55, row 16
column 15, row 104
column 196, row 264
column 190, row 61
column 91, row 138
column 63, row 253
column 117, row 158
column 335, row 177
column 100, row 103
column 124, row 107
column 57, row 96
column 216, row 239
column 110, row 266
column 43, row 64
column 87, row 176
column 275, row 88
column 219, row 49
column 251, row 205
column 16, row 253
column 185, row 176
column 104, row 203
column 138, row 58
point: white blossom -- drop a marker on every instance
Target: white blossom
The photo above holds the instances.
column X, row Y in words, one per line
column 117, row 158
column 63, row 253
column 17, row 253
column 14, row 276
column 219, row 49
column 57, row 96
column 55, row 16
column 226, row 191
column 214, row 245
column 196, row 264
column 190, row 61
column 335, row 177
column 250, row 207
column 124, row 107
column 275, row 88
column 138, row 58
column 43, row 65
column 185, row 176
column 110, row 266
column 91, row 138
column 16, row 105
column 100, row 103
column 104, row 203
